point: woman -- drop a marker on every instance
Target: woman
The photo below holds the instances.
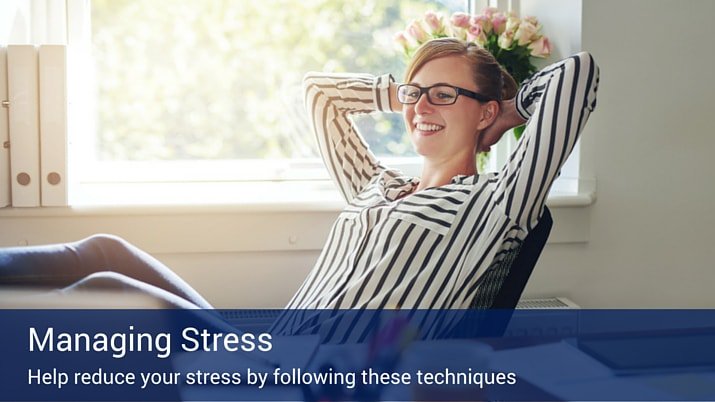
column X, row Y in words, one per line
column 401, row 241
column 426, row 242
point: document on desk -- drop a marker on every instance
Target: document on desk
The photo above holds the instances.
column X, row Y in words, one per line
column 568, row 373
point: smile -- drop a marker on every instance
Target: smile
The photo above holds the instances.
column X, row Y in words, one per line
column 428, row 127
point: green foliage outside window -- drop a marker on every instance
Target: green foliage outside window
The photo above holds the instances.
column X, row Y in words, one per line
column 220, row 79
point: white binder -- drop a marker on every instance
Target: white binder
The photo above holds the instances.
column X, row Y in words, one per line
column 24, row 127
column 4, row 135
column 53, row 124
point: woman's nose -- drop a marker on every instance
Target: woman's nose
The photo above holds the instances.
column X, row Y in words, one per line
column 423, row 106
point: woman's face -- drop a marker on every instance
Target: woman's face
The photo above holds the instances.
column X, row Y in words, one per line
column 444, row 132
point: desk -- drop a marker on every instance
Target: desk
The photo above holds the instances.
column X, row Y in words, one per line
column 566, row 372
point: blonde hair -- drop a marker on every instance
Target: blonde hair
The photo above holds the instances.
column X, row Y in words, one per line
column 491, row 79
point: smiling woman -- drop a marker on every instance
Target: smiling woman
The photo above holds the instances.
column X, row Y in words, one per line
column 427, row 242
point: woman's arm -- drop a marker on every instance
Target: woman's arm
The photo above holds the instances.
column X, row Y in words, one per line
column 331, row 99
column 557, row 102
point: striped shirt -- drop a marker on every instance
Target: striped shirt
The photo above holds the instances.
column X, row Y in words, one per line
column 392, row 248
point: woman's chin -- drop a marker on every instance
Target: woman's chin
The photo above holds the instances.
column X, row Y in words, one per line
column 424, row 150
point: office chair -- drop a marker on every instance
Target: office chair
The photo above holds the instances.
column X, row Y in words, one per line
column 504, row 282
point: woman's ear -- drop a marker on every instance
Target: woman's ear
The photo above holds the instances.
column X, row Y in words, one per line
column 490, row 111
column 489, row 133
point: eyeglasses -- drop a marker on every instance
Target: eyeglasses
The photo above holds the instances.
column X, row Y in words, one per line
column 439, row 95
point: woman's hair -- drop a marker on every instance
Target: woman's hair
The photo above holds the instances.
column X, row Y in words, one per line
column 491, row 79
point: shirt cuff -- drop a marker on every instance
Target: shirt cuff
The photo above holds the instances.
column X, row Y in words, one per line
column 382, row 92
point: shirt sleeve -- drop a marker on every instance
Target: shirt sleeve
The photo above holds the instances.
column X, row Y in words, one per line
column 331, row 99
column 557, row 102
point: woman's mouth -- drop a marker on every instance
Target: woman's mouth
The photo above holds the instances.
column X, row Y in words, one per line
column 427, row 128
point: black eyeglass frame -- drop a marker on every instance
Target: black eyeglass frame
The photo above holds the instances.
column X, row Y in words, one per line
column 425, row 90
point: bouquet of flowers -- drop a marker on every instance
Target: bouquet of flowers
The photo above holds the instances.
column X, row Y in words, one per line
column 513, row 41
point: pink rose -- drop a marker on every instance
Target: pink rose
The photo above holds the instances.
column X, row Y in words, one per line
column 512, row 22
column 532, row 20
column 401, row 40
column 476, row 34
column 525, row 33
column 483, row 21
column 540, row 47
column 411, row 41
column 499, row 23
column 417, row 32
column 434, row 23
column 490, row 11
column 457, row 32
column 460, row 20
column 506, row 39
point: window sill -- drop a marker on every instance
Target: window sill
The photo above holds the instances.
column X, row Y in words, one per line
column 221, row 197
column 259, row 217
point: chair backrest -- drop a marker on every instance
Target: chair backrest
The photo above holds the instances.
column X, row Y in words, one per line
column 520, row 270
column 504, row 281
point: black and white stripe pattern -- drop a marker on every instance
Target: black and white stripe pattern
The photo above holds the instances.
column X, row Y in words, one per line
column 429, row 249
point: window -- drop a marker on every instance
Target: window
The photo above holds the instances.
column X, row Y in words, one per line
column 210, row 90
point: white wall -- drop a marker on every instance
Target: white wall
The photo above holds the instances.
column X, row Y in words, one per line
column 561, row 23
column 650, row 228
column 652, row 225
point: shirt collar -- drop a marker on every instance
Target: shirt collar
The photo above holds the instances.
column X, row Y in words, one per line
column 463, row 179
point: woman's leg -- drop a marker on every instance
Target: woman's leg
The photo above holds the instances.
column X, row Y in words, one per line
column 104, row 262
column 119, row 283
column 63, row 265
column 209, row 319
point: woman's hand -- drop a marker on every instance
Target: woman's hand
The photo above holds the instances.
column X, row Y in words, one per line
column 507, row 119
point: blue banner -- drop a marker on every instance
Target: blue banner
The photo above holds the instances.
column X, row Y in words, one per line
column 168, row 355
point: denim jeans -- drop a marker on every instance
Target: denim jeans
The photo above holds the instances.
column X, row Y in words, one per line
column 99, row 261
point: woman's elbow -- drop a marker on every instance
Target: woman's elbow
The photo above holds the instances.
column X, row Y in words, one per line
column 588, row 72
